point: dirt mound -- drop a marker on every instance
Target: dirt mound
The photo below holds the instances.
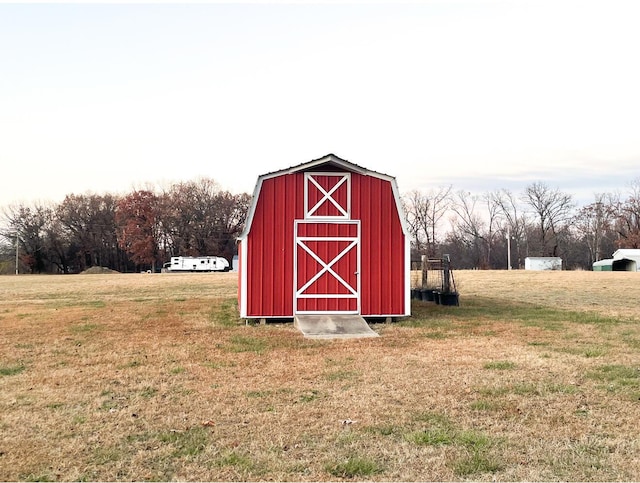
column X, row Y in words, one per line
column 97, row 270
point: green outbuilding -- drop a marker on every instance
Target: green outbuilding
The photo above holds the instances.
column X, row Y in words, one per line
column 603, row 265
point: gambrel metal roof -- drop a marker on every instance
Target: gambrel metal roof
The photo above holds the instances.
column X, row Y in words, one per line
column 329, row 160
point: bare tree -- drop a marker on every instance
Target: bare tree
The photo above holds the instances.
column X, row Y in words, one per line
column 507, row 207
column 469, row 227
column 476, row 225
column 198, row 218
column 58, row 245
column 553, row 209
column 232, row 215
column 593, row 223
column 628, row 218
column 492, row 216
column 29, row 224
column 88, row 220
column 424, row 214
column 413, row 207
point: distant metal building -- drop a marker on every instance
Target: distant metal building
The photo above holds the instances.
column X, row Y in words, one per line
column 325, row 237
column 603, row 265
column 543, row 263
column 624, row 260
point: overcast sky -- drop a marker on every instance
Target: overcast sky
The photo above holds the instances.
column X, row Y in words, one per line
column 479, row 95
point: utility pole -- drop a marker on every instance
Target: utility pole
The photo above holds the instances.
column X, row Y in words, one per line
column 508, row 249
column 17, row 238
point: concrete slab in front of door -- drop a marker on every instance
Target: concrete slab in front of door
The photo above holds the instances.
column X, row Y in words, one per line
column 328, row 326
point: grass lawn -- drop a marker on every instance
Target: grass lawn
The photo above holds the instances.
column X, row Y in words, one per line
column 536, row 376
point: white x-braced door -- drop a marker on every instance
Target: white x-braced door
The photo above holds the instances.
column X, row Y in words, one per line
column 327, row 267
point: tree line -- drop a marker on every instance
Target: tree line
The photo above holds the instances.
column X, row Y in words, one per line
column 146, row 227
column 140, row 230
column 479, row 231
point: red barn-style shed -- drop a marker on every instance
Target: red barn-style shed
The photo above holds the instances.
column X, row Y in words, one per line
column 324, row 237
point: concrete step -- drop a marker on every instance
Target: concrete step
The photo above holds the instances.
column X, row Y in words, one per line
column 329, row 326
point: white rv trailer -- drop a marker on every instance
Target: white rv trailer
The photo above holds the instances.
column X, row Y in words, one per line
column 197, row 264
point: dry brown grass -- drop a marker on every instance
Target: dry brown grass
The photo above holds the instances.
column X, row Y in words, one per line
column 153, row 377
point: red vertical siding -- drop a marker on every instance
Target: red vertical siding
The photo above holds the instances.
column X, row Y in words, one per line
column 270, row 247
column 240, row 264
column 382, row 245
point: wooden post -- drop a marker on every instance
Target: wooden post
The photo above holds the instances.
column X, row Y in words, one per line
column 446, row 284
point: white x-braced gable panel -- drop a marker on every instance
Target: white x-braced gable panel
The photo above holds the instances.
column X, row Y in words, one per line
column 327, row 201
